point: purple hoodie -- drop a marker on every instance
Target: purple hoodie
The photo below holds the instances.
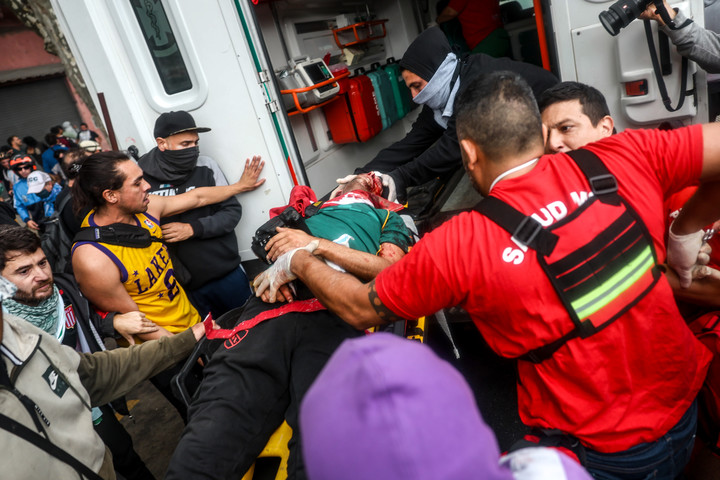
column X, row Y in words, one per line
column 388, row 408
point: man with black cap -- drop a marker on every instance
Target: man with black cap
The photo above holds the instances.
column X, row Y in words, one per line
column 203, row 239
column 435, row 76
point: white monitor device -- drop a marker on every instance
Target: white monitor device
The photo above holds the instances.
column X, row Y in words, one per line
column 314, row 71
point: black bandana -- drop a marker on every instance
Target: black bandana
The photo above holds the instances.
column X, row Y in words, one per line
column 426, row 53
column 171, row 166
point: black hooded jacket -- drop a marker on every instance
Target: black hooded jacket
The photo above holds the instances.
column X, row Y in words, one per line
column 212, row 252
column 429, row 150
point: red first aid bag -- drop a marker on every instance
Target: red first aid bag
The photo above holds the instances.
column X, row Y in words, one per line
column 355, row 117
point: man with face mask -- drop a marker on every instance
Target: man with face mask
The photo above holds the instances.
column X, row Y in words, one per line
column 203, row 239
column 435, row 76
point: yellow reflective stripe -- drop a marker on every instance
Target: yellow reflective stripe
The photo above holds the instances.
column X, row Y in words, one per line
column 614, row 286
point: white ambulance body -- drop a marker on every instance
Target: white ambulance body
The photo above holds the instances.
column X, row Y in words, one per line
column 217, row 59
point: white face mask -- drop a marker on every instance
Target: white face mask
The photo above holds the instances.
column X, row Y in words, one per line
column 437, row 94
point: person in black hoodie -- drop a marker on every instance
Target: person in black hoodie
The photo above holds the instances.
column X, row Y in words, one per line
column 202, row 241
column 435, row 76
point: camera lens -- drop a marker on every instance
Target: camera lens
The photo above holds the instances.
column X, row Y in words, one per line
column 611, row 21
column 621, row 13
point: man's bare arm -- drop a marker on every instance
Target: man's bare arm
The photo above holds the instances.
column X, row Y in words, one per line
column 363, row 265
column 703, row 208
column 99, row 281
column 447, row 14
column 355, row 302
column 161, row 206
column 703, row 291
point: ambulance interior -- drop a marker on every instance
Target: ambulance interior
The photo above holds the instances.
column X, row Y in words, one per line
column 307, row 41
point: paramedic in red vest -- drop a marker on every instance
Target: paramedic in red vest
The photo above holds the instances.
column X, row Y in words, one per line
column 575, row 114
column 626, row 393
column 435, row 77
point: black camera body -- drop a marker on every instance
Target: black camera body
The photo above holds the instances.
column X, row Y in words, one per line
column 289, row 218
column 622, row 12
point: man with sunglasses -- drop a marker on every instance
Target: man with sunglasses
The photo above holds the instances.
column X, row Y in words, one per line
column 29, row 206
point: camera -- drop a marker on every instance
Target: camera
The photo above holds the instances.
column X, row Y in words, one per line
column 622, row 12
column 289, row 218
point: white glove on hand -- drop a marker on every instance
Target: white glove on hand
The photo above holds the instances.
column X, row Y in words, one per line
column 703, row 257
column 388, row 182
column 341, row 183
column 683, row 253
column 703, row 271
column 279, row 272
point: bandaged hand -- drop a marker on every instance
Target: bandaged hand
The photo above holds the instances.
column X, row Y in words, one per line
column 388, row 183
column 279, row 273
column 683, row 253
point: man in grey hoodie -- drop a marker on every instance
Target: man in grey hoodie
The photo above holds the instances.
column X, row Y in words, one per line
column 202, row 240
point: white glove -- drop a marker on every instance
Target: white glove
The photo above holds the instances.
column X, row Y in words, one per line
column 279, row 272
column 703, row 257
column 703, row 271
column 683, row 253
column 388, row 182
column 341, row 183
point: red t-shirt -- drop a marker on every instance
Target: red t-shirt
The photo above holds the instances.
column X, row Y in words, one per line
column 629, row 383
column 478, row 18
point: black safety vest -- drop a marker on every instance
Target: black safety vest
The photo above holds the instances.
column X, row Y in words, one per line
column 600, row 258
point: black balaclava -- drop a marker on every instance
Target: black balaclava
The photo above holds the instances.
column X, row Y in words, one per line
column 426, row 53
column 170, row 166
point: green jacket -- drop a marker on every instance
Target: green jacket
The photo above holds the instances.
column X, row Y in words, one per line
column 64, row 385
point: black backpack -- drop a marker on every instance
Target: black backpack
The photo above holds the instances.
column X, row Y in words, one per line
column 55, row 241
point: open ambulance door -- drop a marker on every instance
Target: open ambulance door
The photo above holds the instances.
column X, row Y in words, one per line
column 140, row 59
column 620, row 66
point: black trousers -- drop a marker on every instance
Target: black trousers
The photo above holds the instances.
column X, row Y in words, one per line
column 254, row 381
column 125, row 458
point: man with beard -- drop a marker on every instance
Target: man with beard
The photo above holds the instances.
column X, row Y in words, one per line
column 201, row 240
column 55, row 306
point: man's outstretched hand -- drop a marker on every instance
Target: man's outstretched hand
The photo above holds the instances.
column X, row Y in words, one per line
column 249, row 178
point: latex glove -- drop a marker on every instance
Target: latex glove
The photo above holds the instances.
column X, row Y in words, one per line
column 279, row 273
column 341, row 183
column 682, row 255
column 703, row 257
column 703, row 271
column 389, row 183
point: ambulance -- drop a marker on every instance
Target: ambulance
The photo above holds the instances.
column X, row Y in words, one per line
column 271, row 77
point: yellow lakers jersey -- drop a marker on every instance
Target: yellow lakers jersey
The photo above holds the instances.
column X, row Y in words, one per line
column 149, row 278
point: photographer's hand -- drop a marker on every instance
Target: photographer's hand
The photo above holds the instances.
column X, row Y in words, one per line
column 285, row 240
column 651, row 13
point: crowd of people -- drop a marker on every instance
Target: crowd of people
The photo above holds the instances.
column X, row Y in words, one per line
column 585, row 261
column 34, row 173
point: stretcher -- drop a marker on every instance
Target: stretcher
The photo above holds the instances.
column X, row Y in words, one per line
column 272, row 462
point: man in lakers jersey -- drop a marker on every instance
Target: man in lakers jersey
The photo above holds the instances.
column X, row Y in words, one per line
column 122, row 278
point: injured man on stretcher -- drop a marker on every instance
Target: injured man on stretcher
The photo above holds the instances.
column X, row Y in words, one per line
column 260, row 374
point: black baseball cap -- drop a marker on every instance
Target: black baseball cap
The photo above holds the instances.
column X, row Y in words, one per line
column 171, row 123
